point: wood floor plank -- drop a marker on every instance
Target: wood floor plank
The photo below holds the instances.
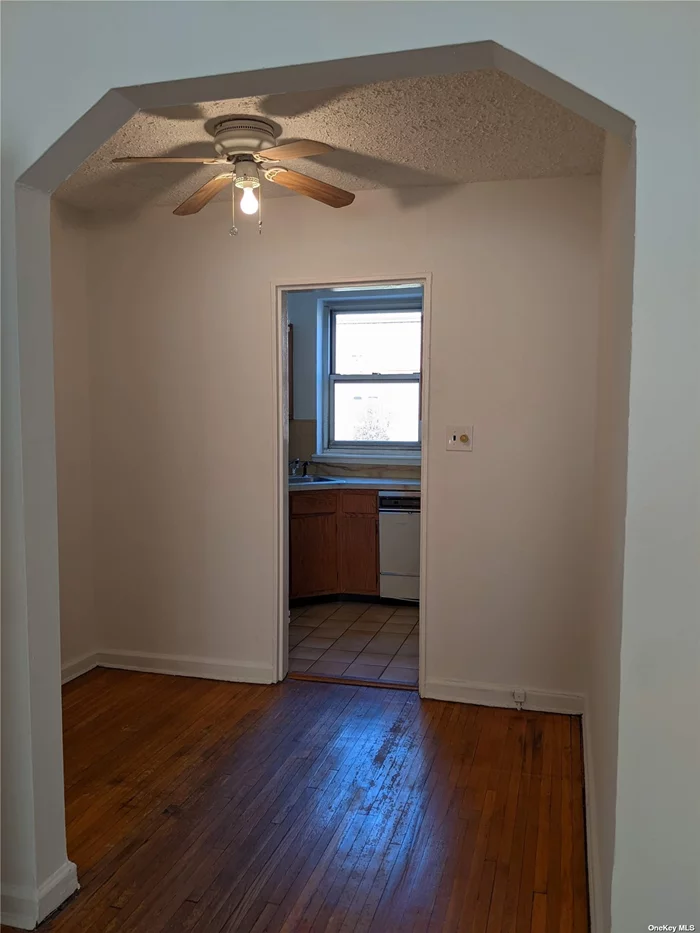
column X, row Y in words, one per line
column 553, row 879
column 205, row 807
column 505, row 842
column 545, row 804
column 527, row 875
column 539, row 913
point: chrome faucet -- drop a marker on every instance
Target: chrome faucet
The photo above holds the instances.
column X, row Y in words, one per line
column 293, row 466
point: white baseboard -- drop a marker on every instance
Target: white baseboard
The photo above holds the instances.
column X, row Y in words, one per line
column 592, row 850
column 18, row 907
column 24, row 907
column 56, row 889
column 72, row 669
column 543, row 701
column 185, row 666
column 179, row 665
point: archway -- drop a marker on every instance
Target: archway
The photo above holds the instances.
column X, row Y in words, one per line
column 33, row 248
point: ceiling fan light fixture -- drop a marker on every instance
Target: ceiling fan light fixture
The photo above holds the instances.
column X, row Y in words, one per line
column 249, row 203
column 247, row 179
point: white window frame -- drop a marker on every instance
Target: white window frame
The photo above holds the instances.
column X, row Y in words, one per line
column 379, row 451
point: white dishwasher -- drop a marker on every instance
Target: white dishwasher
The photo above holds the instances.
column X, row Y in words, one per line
column 399, row 544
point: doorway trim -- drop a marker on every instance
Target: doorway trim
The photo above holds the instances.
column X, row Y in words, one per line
column 281, row 447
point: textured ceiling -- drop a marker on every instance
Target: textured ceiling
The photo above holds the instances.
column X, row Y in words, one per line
column 438, row 130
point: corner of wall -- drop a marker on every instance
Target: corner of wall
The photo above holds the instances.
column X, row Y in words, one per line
column 24, row 908
column 73, row 413
column 609, row 514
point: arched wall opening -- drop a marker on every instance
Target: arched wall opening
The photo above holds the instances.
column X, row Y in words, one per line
column 33, row 220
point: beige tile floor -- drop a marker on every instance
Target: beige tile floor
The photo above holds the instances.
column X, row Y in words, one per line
column 365, row 641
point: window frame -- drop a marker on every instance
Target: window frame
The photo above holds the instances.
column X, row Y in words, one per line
column 373, row 449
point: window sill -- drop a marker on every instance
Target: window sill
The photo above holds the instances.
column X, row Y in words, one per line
column 384, row 459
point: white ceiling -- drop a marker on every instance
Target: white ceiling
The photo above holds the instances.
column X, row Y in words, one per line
column 438, row 130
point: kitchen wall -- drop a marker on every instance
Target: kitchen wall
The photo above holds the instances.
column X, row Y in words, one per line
column 184, row 421
column 302, row 312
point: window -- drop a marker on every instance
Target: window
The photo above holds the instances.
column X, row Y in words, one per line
column 373, row 379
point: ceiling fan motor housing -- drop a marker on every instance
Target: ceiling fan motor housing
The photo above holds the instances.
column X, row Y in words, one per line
column 242, row 136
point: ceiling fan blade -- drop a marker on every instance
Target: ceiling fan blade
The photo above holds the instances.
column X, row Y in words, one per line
column 198, row 160
column 298, row 150
column 203, row 195
column 311, row 187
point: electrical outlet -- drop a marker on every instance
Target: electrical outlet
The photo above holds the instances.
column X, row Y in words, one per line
column 519, row 697
column 460, row 437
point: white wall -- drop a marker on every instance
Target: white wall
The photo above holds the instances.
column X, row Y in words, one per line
column 79, row 624
column 604, row 631
column 184, row 422
column 36, row 873
column 639, row 58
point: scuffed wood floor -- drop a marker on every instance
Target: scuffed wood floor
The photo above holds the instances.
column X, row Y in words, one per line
column 209, row 807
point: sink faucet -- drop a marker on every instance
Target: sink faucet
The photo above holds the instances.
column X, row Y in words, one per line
column 304, row 468
column 293, row 466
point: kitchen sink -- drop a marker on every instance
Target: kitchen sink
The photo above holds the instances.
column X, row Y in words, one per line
column 305, row 480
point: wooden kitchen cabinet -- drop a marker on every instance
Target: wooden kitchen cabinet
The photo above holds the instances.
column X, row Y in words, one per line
column 313, row 544
column 358, row 551
column 357, row 555
column 333, row 543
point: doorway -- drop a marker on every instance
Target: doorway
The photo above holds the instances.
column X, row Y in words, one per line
column 353, row 390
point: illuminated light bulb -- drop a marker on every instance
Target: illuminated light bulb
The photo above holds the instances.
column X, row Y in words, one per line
column 249, row 203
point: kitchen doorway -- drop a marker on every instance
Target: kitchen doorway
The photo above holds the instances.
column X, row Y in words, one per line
column 352, row 383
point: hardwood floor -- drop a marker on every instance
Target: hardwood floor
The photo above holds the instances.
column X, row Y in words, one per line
column 209, row 807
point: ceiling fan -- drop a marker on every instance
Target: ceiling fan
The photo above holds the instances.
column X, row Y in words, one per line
column 244, row 145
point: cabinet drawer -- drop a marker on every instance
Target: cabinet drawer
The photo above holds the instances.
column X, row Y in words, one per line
column 358, row 502
column 313, row 503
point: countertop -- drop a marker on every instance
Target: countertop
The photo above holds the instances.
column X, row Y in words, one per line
column 358, row 483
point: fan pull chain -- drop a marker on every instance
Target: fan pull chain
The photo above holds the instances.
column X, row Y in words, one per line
column 260, row 210
column 234, row 229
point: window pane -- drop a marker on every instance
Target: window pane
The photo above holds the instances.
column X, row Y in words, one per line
column 386, row 342
column 376, row 411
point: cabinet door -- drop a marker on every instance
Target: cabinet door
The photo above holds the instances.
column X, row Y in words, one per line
column 358, row 568
column 313, row 555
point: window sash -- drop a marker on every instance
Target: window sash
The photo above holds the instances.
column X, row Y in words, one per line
column 331, row 377
column 378, row 378
column 396, row 308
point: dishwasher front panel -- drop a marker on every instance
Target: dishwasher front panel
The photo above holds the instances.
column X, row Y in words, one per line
column 399, row 587
column 399, row 542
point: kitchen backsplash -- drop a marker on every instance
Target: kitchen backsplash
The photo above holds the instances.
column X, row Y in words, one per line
column 302, row 444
